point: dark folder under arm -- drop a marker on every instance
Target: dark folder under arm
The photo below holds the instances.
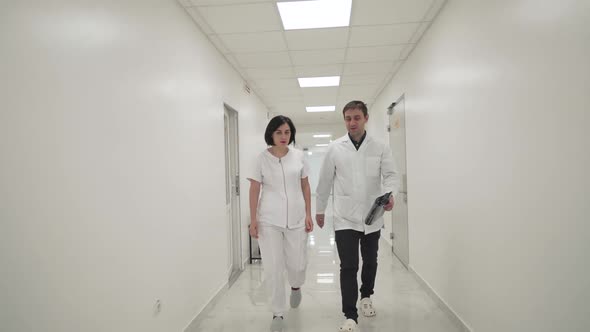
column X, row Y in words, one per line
column 377, row 210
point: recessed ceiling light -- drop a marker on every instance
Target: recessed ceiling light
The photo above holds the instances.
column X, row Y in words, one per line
column 323, row 144
column 320, row 108
column 311, row 82
column 322, row 135
column 315, row 14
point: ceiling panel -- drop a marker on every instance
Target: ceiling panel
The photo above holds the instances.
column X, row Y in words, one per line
column 239, row 18
column 254, row 42
column 319, row 57
column 275, row 100
column 222, row 2
column 358, row 91
column 321, row 70
column 305, row 118
column 270, row 73
column 362, row 79
column 310, row 39
column 263, row 60
column 286, row 83
column 367, row 68
column 320, row 96
column 382, row 34
column 374, row 54
column 375, row 12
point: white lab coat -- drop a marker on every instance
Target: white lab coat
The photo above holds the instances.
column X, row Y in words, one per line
column 357, row 179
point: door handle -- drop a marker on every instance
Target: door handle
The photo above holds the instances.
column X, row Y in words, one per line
column 237, row 185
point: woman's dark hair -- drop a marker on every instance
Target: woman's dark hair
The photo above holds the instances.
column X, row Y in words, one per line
column 274, row 124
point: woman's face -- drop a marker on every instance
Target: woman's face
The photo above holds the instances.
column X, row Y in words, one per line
column 282, row 135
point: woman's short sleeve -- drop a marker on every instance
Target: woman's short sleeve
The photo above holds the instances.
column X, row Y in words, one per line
column 256, row 174
column 305, row 170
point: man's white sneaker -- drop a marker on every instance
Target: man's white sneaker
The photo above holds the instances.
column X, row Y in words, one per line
column 367, row 307
column 349, row 325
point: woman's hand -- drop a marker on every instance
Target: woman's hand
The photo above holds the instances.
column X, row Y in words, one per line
column 308, row 224
column 254, row 229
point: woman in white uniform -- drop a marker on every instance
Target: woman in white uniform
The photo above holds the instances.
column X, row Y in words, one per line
column 280, row 214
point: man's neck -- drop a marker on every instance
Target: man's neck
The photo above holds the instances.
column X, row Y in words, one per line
column 358, row 137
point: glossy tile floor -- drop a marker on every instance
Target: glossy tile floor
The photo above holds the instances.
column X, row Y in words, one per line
column 401, row 304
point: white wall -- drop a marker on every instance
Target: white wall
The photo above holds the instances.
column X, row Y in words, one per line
column 497, row 145
column 112, row 173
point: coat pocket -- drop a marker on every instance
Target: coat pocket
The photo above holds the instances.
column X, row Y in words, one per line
column 344, row 207
column 373, row 166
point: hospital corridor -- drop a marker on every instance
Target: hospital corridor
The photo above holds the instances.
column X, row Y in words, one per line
column 402, row 303
column 294, row 166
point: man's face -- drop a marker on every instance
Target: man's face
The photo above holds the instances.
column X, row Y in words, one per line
column 355, row 121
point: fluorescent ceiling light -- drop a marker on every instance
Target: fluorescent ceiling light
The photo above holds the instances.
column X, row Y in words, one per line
column 322, row 136
column 326, row 144
column 315, row 14
column 310, row 82
column 320, row 108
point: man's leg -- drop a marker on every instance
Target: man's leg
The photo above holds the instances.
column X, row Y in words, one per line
column 369, row 248
column 347, row 242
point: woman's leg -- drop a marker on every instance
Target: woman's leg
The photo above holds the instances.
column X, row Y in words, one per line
column 295, row 248
column 270, row 239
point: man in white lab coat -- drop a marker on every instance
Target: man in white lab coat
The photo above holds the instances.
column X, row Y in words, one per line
column 358, row 169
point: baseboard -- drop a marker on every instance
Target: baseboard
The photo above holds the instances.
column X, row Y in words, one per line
column 192, row 327
column 440, row 302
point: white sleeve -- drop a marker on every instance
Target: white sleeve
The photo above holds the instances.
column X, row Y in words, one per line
column 325, row 183
column 256, row 174
column 305, row 170
column 391, row 179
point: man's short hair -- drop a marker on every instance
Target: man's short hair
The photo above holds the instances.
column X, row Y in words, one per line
column 356, row 105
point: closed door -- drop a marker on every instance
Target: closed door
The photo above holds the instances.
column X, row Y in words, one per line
column 399, row 219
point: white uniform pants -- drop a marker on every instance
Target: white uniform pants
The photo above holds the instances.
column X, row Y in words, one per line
column 282, row 248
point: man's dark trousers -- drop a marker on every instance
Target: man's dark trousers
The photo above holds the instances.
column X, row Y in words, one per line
column 347, row 242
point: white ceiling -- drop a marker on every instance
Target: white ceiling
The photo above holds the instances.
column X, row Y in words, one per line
column 250, row 34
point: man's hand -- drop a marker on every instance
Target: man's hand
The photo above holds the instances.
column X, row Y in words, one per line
column 319, row 218
column 389, row 205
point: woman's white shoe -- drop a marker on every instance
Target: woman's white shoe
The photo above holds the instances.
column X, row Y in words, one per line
column 277, row 324
column 349, row 325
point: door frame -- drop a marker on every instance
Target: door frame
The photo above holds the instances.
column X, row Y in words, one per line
column 403, row 180
column 232, row 178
